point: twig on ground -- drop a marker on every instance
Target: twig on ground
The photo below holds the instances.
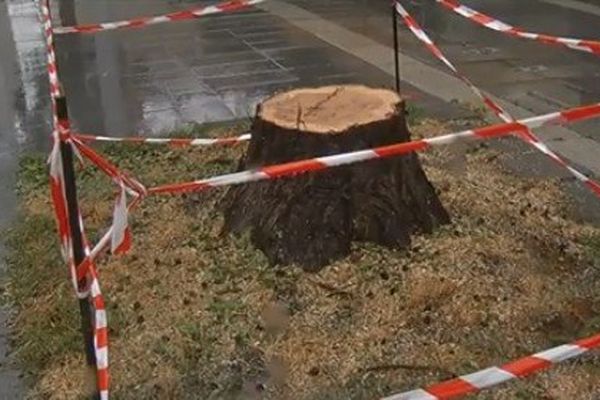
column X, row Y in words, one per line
column 410, row 367
column 334, row 291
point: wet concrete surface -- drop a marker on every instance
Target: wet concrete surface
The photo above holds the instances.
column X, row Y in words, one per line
column 22, row 120
column 536, row 77
column 152, row 80
column 164, row 76
column 214, row 69
column 533, row 76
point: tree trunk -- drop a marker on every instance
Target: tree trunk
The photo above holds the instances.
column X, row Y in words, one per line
column 311, row 219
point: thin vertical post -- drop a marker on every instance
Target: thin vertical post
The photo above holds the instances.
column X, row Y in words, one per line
column 396, row 47
column 67, row 13
column 85, row 307
column 86, row 311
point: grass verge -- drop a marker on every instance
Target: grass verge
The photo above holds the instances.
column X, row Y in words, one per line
column 196, row 314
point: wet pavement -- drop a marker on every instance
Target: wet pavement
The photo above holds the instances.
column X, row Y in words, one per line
column 526, row 76
column 22, row 119
column 536, row 77
column 201, row 71
column 208, row 70
column 152, row 80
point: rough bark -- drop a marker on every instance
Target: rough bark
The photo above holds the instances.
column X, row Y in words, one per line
column 312, row 219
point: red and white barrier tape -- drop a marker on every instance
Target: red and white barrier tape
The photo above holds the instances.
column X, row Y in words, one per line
column 57, row 184
column 132, row 186
column 50, row 53
column 106, row 240
column 183, row 142
column 416, row 29
column 57, row 188
column 121, row 233
column 100, row 336
column 100, row 322
column 56, row 178
column 121, row 236
column 587, row 46
column 489, row 377
column 94, row 294
column 141, row 22
column 57, row 191
column 527, row 135
column 321, row 163
column 56, row 171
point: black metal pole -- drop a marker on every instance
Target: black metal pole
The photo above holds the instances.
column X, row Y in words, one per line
column 68, row 18
column 396, row 47
column 67, row 13
column 85, row 307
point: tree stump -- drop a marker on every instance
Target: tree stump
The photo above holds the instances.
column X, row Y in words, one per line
column 312, row 219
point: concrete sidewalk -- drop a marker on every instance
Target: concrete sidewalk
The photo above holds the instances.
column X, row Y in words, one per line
column 218, row 68
column 427, row 76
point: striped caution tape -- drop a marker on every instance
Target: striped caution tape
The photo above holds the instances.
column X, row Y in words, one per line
column 322, row 163
column 100, row 320
column 416, row 29
column 57, row 192
column 471, row 382
column 176, row 142
column 60, row 129
column 527, row 135
column 130, row 184
column 56, row 171
column 100, row 336
column 493, row 376
column 121, row 234
column 141, row 22
column 121, row 237
column 106, row 241
column 92, row 292
column 50, row 53
column 57, row 187
column 58, row 195
column 587, row 46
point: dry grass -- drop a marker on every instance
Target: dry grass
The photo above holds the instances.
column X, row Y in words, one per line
column 194, row 314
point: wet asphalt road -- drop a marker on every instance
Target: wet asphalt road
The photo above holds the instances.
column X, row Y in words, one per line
column 152, row 80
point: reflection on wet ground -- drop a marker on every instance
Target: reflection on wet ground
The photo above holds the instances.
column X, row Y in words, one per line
column 21, row 112
column 208, row 70
column 536, row 77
